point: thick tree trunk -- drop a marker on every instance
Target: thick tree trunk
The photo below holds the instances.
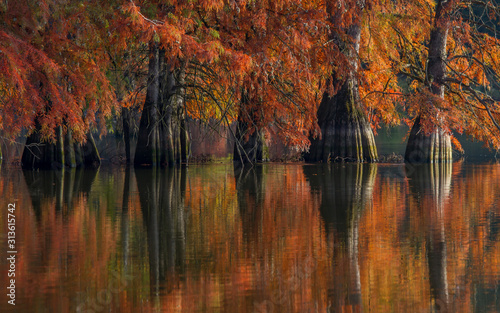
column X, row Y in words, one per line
column 167, row 135
column 160, row 133
column 424, row 148
column 146, row 153
column 346, row 134
column 181, row 113
column 434, row 147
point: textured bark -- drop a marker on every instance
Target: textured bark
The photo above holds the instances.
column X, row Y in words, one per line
column 346, row 134
column 167, row 103
column 423, row 148
column 146, row 153
column 435, row 147
column 160, row 133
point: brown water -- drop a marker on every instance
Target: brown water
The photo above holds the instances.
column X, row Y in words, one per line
column 277, row 238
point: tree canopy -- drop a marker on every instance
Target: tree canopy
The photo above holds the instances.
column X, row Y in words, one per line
column 267, row 64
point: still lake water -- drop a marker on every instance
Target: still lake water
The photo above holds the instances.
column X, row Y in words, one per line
column 277, row 238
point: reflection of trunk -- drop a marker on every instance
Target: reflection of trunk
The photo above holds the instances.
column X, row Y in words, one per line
column 346, row 135
column 125, row 218
column 162, row 203
column 434, row 147
column 61, row 186
column 250, row 193
column 345, row 192
column 43, row 186
column 431, row 186
column 69, row 188
column 249, row 141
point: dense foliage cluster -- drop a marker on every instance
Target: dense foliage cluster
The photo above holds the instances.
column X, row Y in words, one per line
column 304, row 71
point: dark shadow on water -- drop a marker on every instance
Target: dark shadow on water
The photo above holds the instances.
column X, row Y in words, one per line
column 161, row 194
column 62, row 186
column 250, row 195
column 345, row 191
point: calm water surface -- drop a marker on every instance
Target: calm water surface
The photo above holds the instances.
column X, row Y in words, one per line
column 277, row 238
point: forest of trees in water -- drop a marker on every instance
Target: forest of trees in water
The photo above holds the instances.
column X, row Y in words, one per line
column 320, row 77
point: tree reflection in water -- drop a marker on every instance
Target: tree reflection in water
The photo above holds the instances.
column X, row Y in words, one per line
column 346, row 190
column 161, row 194
column 430, row 185
column 61, row 186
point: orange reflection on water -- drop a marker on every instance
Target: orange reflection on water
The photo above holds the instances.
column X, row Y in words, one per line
column 275, row 238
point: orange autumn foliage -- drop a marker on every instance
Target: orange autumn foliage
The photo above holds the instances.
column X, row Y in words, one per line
column 51, row 68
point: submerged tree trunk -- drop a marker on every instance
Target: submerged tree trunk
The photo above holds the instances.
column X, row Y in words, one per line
column 428, row 148
column 433, row 147
column 346, row 134
column 39, row 154
column 160, row 131
column 91, row 157
column 69, row 150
